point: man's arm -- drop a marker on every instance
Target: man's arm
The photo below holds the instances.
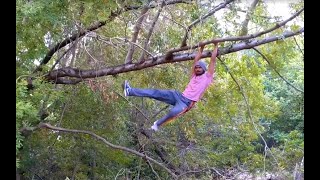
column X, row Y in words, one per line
column 212, row 64
column 197, row 58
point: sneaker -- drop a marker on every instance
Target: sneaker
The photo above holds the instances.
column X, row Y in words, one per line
column 126, row 88
column 155, row 127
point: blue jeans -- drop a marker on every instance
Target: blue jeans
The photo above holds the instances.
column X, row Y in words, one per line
column 172, row 97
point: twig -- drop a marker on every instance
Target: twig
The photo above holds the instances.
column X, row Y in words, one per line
column 298, row 46
column 132, row 105
column 160, row 111
column 211, row 12
column 151, row 31
column 154, row 172
column 236, row 38
column 265, row 58
column 202, row 170
column 64, row 53
column 120, row 172
column 135, row 44
column 134, row 38
column 174, row 21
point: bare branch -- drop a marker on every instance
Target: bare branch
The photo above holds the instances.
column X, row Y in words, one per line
column 298, row 45
column 253, row 15
column 155, row 114
column 145, row 116
column 136, row 30
column 135, row 44
column 154, row 172
column 150, row 31
column 236, row 38
column 244, row 26
column 48, row 126
column 64, row 53
column 174, row 21
column 211, row 12
column 68, row 40
column 150, row 62
column 265, row 58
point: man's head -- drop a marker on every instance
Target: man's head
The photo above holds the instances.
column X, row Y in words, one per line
column 200, row 68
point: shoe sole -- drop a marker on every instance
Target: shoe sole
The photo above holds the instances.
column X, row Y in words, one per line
column 124, row 89
column 154, row 129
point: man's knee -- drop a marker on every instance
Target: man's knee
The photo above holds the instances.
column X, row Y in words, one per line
column 177, row 110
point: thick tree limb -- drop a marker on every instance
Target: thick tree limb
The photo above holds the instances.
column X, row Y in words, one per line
column 83, row 74
column 244, row 26
column 265, row 58
column 211, row 12
column 48, row 126
column 67, row 81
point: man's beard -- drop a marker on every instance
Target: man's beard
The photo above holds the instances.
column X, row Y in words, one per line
column 199, row 74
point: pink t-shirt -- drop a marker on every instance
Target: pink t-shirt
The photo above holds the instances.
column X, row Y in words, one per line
column 197, row 86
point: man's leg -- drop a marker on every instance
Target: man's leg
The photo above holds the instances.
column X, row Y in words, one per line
column 177, row 110
column 167, row 96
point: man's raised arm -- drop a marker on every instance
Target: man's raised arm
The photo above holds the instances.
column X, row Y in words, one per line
column 197, row 58
column 212, row 64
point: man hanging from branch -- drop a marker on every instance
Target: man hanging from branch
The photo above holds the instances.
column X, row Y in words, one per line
column 181, row 102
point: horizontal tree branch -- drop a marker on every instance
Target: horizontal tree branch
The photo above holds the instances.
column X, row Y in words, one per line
column 48, row 126
column 150, row 62
column 61, row 80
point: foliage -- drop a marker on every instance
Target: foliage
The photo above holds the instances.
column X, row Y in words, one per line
column 247, row 104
